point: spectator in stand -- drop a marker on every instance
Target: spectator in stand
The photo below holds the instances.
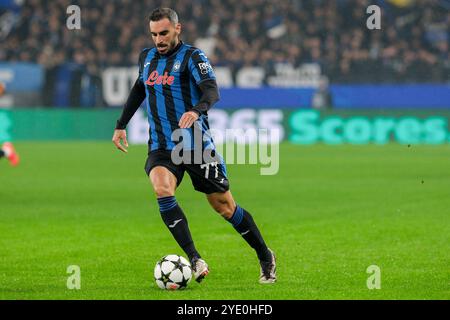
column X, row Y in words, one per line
column 413, row 45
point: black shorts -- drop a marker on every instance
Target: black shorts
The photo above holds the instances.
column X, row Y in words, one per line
column 206, row 177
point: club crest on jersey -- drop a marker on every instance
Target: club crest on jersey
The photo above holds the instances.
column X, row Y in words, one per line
column 205, row 67
column 176, row 66
column 155, row 78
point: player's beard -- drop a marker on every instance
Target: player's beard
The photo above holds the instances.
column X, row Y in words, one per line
column 169, row 47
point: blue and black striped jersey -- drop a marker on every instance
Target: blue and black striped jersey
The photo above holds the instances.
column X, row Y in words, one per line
column 172, row 88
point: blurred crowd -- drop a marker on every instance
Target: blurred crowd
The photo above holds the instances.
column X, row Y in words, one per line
column 412, row 45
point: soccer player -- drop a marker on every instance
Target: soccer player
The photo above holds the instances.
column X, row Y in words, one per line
column 8, row 151
column 179, row 87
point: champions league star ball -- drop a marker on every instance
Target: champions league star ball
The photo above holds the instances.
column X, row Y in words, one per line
column 173, row 272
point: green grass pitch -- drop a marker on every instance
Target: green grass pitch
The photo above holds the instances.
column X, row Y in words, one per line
column 330, row 213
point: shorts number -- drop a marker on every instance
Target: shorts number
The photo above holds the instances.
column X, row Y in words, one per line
column 206, row 167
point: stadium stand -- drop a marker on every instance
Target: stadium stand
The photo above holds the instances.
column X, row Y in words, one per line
column 412, row 47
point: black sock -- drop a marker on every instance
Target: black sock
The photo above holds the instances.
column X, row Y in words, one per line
column 176, row 222
column 2, row 153
column 243, row 222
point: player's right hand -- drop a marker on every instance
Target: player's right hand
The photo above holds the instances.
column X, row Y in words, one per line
column 118, row 137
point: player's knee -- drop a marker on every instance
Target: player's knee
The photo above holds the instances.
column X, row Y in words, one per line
column 163, row 191
column 224, row 208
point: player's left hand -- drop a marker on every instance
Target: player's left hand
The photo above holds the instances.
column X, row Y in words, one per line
column 188, row 119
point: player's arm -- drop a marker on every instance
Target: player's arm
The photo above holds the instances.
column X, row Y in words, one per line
column 204, row 76
column 134, row 100
column 210, row 95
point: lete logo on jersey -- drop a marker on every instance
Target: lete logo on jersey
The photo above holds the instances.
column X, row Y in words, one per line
column 155, row 78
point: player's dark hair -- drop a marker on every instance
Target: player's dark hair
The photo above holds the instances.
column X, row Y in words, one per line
column 162, row 13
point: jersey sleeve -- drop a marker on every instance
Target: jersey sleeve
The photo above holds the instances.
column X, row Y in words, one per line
column 135, row 97
column 200, row 67
column 142, row 58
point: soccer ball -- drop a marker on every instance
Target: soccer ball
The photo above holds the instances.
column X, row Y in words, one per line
column 173, row 272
